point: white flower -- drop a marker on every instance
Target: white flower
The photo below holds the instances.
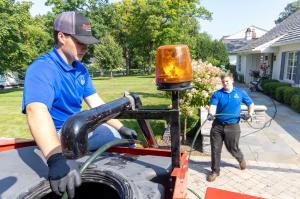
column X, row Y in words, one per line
column 204, row 93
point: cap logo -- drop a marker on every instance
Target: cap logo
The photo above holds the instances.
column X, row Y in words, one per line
column 86, row 27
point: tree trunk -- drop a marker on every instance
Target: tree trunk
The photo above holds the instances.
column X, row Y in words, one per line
column 126, row 54
column 149, row 64
column 184, row 130
column 150, row 58
column 111, row 74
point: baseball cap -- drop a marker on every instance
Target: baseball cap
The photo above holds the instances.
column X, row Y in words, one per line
column 76, row 25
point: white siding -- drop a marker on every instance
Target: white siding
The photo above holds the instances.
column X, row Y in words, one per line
column 277, row 63
column 276, row 66
column 249, row 63
column 243, row 65
column 232, row 59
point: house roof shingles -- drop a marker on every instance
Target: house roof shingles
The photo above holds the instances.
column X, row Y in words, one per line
column 289, row 29
column 233, row 45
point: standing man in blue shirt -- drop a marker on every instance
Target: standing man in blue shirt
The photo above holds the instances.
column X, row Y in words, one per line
column 55, row 86
column 226, row 106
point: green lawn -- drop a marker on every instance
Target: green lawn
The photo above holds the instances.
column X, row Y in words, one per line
column 13, row 122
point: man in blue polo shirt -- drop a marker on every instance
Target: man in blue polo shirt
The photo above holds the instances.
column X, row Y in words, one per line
column 225, row 109
column 55, row 86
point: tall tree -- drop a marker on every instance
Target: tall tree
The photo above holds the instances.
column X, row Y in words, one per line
column 210, row 50
column 141, row 26
column 288, row 10
column 219, row 53
column 120, row 20
column 21, row 37
column 108, row 54
column 203, row 46
column 153, row 23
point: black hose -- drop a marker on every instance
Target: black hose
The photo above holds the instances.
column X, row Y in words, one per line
column 195, row 137
column 199, row 130
column 266, row 124
column 97, row 153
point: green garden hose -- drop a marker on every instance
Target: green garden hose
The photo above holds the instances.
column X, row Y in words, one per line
column 199, row 130
column 97, row 153
column 194, row 192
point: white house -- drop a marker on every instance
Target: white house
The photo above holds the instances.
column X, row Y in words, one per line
column 240, row 39
column 277, row 53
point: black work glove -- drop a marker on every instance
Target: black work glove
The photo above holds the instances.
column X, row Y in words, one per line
column 210, row 117
column 63, row 175
column 246, row 116
column 128, row 133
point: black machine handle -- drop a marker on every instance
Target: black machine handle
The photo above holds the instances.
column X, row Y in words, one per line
column 74, row 133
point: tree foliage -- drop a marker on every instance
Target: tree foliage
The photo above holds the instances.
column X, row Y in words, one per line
column 138, row 27
column 288, row 10
column 108, row 54
column 210, row 50
column 21, row 37
column 142, row 26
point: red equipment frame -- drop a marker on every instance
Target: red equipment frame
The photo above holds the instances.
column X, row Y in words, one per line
column 179, row 174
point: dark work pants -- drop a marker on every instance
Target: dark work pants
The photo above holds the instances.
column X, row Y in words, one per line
column 230, row 134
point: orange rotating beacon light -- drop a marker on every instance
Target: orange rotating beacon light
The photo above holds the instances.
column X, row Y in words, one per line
column 173, row 68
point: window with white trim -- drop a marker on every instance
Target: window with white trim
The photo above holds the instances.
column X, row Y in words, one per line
column 290, row 65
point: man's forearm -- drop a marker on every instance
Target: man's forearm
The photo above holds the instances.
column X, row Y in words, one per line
column 115, row 123
column 42, row 129
column 212, row 109
column 94, row 101
column 251, row 109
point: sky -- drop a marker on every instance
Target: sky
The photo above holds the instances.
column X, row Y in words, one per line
column 229, row 16
column 232, row 16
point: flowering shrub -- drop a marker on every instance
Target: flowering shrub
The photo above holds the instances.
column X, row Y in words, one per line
column 206, row 79
column 265, row 69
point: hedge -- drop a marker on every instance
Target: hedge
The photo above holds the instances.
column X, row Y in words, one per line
column 295, row 102
column 282, row 92
column 288, row 93
column 268, row 81
column 279, row 93
column 270, row 88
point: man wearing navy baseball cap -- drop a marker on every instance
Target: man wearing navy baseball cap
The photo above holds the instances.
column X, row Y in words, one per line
column 55, row 85
column 77, row 26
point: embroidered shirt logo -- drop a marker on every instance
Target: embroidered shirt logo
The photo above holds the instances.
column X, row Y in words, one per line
column 82, row 80
column 236, row 96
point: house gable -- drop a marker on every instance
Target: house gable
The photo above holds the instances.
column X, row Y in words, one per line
column 287, row 30
column 239, row 39
column 241, row 34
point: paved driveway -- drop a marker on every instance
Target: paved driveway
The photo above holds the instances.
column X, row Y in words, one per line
column 272, row 154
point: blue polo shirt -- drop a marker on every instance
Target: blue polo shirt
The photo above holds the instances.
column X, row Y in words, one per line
column 229, row 103
column 58, row 85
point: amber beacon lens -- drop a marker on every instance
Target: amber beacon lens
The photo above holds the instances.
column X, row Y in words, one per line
column 173, row 67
